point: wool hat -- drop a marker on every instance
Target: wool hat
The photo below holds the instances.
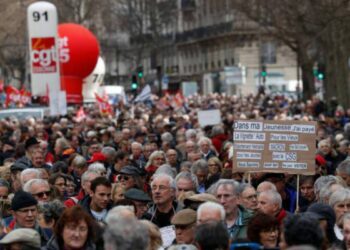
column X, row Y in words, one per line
column 26, row 236
column 22, row 199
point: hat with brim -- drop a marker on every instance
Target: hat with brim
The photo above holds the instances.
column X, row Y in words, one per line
column 26, row 236
column 130, row 170
column 137, row 195
column 199, row 198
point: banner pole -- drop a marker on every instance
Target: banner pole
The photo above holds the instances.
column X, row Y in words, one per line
column 297, row 202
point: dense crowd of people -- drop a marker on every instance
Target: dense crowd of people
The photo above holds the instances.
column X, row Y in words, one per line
column 152, row 178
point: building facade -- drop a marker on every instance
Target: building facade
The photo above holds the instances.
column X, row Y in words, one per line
column 210, row 43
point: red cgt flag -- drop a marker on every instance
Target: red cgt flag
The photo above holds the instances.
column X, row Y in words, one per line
column 103, row 104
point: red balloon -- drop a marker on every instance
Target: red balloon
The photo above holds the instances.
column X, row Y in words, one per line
column 78, row 51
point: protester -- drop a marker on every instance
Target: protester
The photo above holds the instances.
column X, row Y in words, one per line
column 140, row 148
column 74, row 230
column 264, row 229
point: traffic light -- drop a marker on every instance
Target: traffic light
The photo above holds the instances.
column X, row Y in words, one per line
column 263, row 71
column 140, row 72
column 134, row 83
column 321, row 72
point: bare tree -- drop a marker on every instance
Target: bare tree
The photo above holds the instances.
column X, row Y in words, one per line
column 306, row 27
column 13, row 41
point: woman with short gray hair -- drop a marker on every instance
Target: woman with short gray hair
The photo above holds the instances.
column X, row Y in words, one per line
column 340, row 202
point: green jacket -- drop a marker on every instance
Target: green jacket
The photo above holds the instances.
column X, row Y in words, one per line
column 239, row 229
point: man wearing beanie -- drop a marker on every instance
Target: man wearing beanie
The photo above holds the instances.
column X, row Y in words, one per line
column 25, row 214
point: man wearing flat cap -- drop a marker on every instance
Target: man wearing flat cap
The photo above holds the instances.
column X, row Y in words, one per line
column 184, row 222
column 25, row 215
column 21, row 238
column 140, row 200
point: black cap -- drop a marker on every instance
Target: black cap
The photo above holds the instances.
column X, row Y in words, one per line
column 18, row 166
column 7, row 141
column 22, row 199
column 131, row 170
column 30, row 142
column 137, row 195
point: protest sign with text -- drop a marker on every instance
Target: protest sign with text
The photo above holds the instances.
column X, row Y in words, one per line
column 274, row 146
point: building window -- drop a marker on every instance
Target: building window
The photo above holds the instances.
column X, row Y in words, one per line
column 268, row 53
column 219, row 64
column 232, row 61
column 190, row 69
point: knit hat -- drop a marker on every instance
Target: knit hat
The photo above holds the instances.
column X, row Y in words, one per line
column 22, row 199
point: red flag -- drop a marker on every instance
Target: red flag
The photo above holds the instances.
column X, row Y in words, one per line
column 164, row 102
column 25, row 97
column 103, row 104
column 80, row 114
column 178, row 101
column 12, row 96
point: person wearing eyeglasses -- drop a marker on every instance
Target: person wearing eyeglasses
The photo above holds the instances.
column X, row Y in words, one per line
column 40, row 189
column 164, row 205
column 185, row 223
column 130, row 177
column 25, row 215
column 75, row 229
column 247, row 196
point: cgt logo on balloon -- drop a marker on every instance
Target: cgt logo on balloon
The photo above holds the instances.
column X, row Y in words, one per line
column 43, row 57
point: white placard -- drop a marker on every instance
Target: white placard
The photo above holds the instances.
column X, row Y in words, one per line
column 168, row 235
column 43, row 47
column 209, row 117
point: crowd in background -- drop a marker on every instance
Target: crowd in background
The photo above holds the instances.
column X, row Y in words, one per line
column 153, row 178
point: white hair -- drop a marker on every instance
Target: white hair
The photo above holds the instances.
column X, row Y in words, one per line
column 171, row 180
column 97, row 167
column 28, row 186
column 136, row 144
column 203, row 140
column 119, row 212
column 211, row 206
column 340, row 195
column 28, row 171
column 166, row 169
column 274, row 197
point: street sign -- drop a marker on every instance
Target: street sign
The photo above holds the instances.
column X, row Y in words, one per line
column 234, row 75
column 165, row 82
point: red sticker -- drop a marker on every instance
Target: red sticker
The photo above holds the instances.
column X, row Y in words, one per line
column 43, row 56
